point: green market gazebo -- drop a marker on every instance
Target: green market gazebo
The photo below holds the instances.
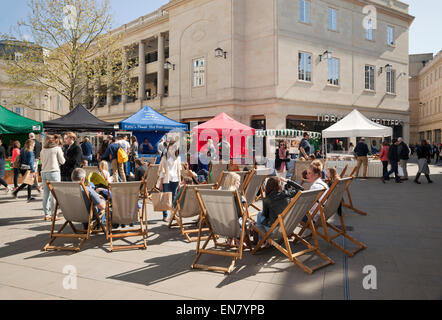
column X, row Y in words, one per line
column 12, row 123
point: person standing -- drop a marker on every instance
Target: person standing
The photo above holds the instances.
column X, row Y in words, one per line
column 211, row 153
column 37, row 150
column 72, row 156
column 393, row 158
column 15, row 154
column 361, row 151
column 170, row 172
column 374, row 147
column 2, row 166
column 27, row 164
column 282, row 158
column 51, row 159
column 126, row 147
column 304, row 146
column 112, row 154
column 133, row 153
column 384, row 158
column 423, row 156
column 146, row 147
column 86, row 149
column 404, row 156
column 351, row 148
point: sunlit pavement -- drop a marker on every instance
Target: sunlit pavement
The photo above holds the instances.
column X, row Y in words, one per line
column 403, row 232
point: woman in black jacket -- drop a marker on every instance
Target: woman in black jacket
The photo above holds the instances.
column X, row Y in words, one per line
column 282, row 158
column 423, row 156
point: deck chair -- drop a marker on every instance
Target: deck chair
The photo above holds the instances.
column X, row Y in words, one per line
column 350, row 205
column 215, row 171
column 284, row 228
column 254, row 184
column 187, row 173
column 187, row 207
column 242, row 174
column 326, row 209
column 91, row 169
column 151, row 177
column 150, row 160
column 219, row 211
column 125, row 211
column 342, row 175
column 69, row 198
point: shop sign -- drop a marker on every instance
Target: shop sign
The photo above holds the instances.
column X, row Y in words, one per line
column 388, row 122
column 329, row 118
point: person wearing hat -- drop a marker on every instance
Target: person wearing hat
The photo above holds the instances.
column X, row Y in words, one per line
column 361, row 151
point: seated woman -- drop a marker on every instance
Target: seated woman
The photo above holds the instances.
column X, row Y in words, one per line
column 314, row 177
column 332, row 176
column 275, row 201
column 232, row 183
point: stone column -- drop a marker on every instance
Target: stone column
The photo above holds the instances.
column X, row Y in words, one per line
column 124, row 79
column 161, row 60
column 109, row 83
column 142, row 73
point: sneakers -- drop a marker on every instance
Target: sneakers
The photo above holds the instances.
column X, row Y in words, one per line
column 417, row 182
column 14, row 195
column 8, row 189
column 31, row 199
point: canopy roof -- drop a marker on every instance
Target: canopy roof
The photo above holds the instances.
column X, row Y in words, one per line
column 79, row 119
column 13, row 123
column 285, row 133
column 224, row 122
column 147, row 119
column 356, row 124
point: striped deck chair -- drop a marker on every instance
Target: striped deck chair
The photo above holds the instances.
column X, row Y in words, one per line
column 326, row 209
column 254, row 184
column 284, row 228
column 215, row 171
column 187, row 207
column 125, row 211
column 69, row 198
column 220, row 211
column 242, row 174
column 151, row 177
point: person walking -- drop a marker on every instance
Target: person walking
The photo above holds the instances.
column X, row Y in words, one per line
column 282, row 158
column 170, row 172
column 393, row 158
column 2, row 166
column 384, row 159
column 27, row 164
column 112, row 154
column 51, row 159
column 304, row 146
column 15, row 154
column 404, row 156
column 423, row 156
column 361, row 151
column 72, row 156
column 126, row 147
column 37, row 150
column 86, row 149
column 133, row 153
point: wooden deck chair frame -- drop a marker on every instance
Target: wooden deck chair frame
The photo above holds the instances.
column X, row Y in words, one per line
column 146, row 175
column 287, row 251
column 149, row 160
column 176, row 220
column 326, row 225
column 342, row 175
column 212, row 179
column 185, row 167
column 350, row 205
column 126, row 233
column 78, row 233
column 261, row 189
column 237, row 254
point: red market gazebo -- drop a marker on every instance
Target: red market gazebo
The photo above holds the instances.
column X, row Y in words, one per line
column 224, row 126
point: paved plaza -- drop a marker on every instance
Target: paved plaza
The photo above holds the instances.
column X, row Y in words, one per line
column 402, row 231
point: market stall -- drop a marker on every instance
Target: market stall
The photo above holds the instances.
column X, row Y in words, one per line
column 152, row 125
column 235, row 133
column 356, row 125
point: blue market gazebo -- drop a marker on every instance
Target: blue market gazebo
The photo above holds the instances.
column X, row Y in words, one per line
column 150, row 124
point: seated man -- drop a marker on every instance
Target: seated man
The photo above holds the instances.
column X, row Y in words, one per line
column 140, row 170
column 79, row 175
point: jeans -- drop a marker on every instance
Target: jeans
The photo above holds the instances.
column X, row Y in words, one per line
column 48, row 199
column 259, row 220
column 384, row 168
column 170, row 187
column 16, row 173
column 394, row 169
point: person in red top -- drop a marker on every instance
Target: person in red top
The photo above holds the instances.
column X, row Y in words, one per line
column 15, row 154
column 384, row 158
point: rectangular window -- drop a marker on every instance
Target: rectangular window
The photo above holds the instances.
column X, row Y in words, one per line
column 390, row 36
column 333, row 72
column 369, row 31
column 59, row 102
column 19, row 110
column 369, row 78
column 304, row 8
column 199, row 69
column 391, row 81
column 305, row 66
column 332, row 19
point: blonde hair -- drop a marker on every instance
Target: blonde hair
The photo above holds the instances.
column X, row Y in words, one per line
column 29, row 145
column 317, row 163
column 230, row 182
column 71, row 135
column 333, row 176
column 104, row 166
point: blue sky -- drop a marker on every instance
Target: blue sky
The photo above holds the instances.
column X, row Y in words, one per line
column 423, row 32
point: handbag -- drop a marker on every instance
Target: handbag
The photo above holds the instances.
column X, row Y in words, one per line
column 28, row 178
column 401, row 172
column 17, row 162
column 162, row 201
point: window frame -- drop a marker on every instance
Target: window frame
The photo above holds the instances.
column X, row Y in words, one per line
column 389, row 27
column 333, row 72
column 199, row 74
column 370, row 32
column 391, row 81
column 300, row 54
column 302, row 11
column 330, row 19
column 369, row 78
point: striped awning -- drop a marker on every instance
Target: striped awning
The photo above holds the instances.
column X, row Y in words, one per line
column 285, row 133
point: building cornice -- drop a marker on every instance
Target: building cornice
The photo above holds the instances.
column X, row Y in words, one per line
column 386, row 10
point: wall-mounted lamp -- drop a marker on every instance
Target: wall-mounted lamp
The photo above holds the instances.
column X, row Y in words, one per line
column 421, row 103
column 327, row 55
column 219, row 53
column 387, row 68
column 168, row 66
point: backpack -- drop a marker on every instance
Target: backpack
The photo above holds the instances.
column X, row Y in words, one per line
column 17, row 161
column 122, row 156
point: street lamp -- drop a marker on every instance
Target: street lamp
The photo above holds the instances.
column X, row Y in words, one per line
column 219, row 53
column 387, row 68
column 327, row 55
column 168, row 65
